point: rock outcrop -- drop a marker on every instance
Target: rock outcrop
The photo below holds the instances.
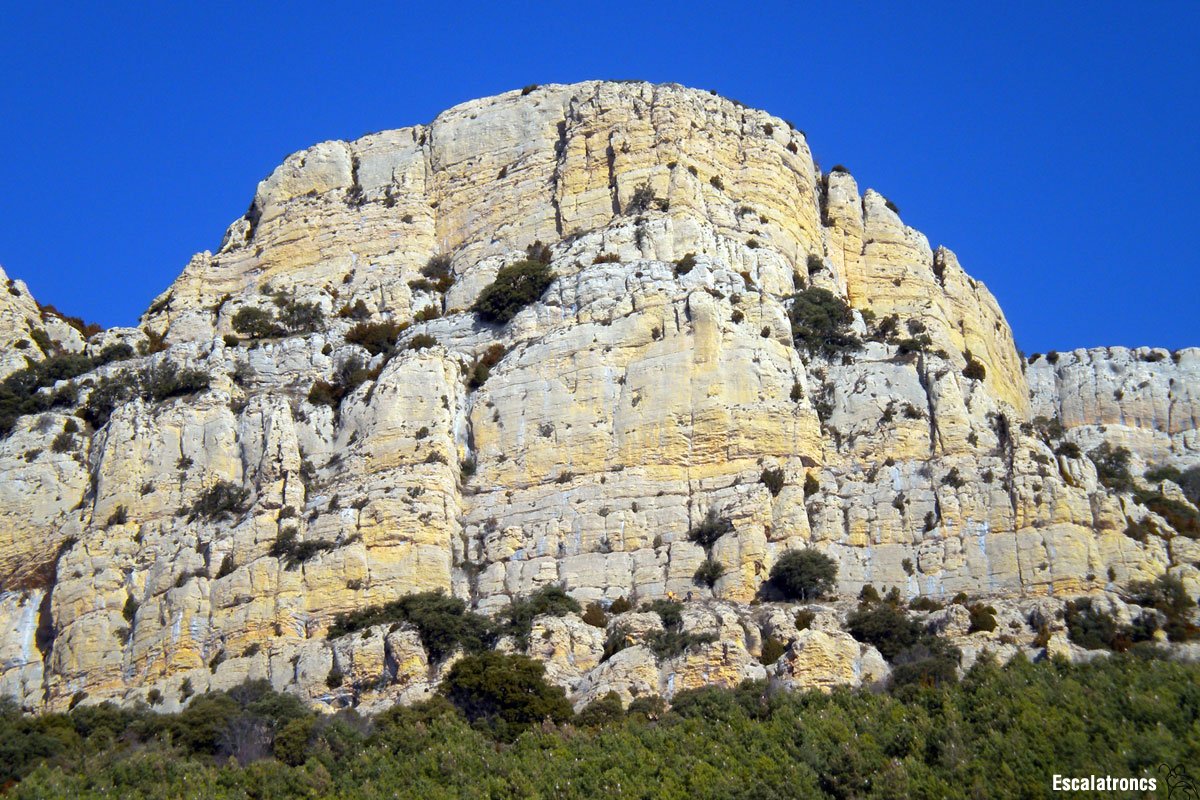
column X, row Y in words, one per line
column 657, row 380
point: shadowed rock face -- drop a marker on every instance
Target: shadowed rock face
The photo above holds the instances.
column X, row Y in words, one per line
column 631, row 400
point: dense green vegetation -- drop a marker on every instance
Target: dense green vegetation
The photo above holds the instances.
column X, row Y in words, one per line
column 444, row 623
column 1112, row 466
column 803, row 574
column 290, row 317
column 376, row 337
column 21, row 392
column 516, row 286
column 1094, row 628
column 821, row 323
column 349, row 376
column 918, row 656
column 1001, row 732
column 155, row 384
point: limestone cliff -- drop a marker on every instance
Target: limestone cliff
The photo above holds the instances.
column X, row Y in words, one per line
column 656, row 380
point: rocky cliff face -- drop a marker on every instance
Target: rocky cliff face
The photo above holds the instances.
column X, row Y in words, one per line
column 636, row 397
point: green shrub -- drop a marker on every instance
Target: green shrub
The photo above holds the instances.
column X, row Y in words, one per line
column 1167, row 595
column 504, row 694
column 220, row 501
column 156, row 383
column 821, row 323
column 708, row 573
column 1131, row 714
column 642, row 199
column 616, row 641
column 886, row 627
column 437, row 269
column 710, row 529
column 804, row 574
column 685, row 265
column 1165, row 472
column 670, row 643
column 63, row 443
column 165, row 380
column 293, row 742
column 983, row 618
column 548, row 600
column 1068, row 450
column 293, row 552
column 481, row 370
column 117, row 351
column 1178, row 514
column 772, row 649
column 811, row 485
column 1048, row 428
column 515, row 287
column 539, row 253
column 427, row 314
column 20, row 392
column 645, row 709
column 1188, row 480
column 620, row 606
column 352, row 374
column 324, row 393
column 467, row 468
column 925, row 603
column 257, row 323
column 1093, row 629
column 914, row 344
column 930, row 662
column 594, row 615
column 297, row 317
column 773, row 480
column 974, row 370
column 1112, row 466
column 602, row 711
column 357, row 311
column 420, row 341
column 443, row 622
column 376, row 337
column 748, row 700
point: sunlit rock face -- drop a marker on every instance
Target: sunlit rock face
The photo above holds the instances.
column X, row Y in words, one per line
column 634, row 398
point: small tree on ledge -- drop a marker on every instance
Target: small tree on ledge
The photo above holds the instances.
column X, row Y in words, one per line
column 804, row 574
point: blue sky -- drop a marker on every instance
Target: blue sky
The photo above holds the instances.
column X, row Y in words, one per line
column 1052, row 146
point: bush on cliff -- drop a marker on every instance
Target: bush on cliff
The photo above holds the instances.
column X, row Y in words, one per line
column 516, row 286
column 821, row 323
column 548, row 600
column 443, row 622
column 918, row 656
column 504, row 694
column 1112, row 466
column 804, row 574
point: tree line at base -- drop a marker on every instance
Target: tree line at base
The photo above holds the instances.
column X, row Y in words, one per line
column 499, row 730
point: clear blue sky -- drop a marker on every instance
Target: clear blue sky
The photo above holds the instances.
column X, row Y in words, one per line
column 1054, row 149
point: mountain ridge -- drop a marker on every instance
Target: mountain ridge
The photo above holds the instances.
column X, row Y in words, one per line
column 724, row 319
